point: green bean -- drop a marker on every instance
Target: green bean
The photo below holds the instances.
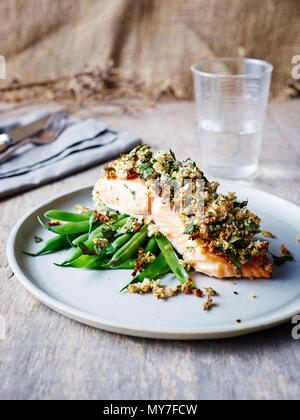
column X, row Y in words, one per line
column 127, row 265
column 172, row 260
column 80, row 239
column 66, row 216
column 70, row 239
column 99, row 230
column 167, row 270
column 117, row 218
column 93, row 262
column 152, row 271
column 109, row 210
column 92, row 223
column 97, row 233
column 152, row 245
column 69, row 228
column 54, row 244
column 86, row 261
column 75, row 254
column 122, row 217
column 128, row 250
column 84, row 238
column 112, row 248
column 120, row 241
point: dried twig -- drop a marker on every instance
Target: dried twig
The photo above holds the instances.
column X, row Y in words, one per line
column 105, row 85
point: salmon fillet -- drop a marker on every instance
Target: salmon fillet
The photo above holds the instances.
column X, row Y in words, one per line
column 132, row 197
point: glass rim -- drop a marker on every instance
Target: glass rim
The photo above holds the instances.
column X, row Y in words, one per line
column 268, row 68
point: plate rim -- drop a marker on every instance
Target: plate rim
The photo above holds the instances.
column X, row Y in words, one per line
column 115, row 326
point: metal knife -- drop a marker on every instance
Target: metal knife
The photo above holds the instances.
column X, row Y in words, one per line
column 20, row 133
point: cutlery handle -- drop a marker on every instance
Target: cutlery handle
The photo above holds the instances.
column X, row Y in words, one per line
column 3, row 146
column 6, row 155
column 5, row 141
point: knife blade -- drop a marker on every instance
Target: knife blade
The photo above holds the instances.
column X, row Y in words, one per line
column 20, row 133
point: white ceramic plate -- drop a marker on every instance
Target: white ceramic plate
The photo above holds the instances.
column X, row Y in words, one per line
column 93, row 298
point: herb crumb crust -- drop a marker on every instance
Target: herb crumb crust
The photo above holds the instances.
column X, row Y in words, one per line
column 220, row 223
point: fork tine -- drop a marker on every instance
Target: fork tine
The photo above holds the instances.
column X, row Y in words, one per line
column 55, row 118
column 56, row 122
column 54, row 127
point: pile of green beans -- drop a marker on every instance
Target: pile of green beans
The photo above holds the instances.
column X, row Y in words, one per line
column 79, row 232
column 98, row 233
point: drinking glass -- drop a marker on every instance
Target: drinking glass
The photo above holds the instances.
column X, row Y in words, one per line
column 231, row 97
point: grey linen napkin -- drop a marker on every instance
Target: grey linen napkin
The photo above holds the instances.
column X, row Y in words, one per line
column 83, row 144
column 10, row 124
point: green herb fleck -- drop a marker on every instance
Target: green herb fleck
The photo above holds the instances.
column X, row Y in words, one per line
column 241, row 205
column 190, row 228
column 234, row 238
column 250, row 225
column 37, row 239
column 238, row 265
column 279, row 261
column 146, row 170
column 132, row 191
column 172, row 154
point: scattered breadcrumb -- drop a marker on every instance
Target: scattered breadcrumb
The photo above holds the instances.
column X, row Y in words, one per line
column 210, row 291
column 53, row 223
column 152, row 229
column 161, row 292
column 81, row 209
column 185, row 265
column 198, row 292
column 284, row 250
column 187, row 288
column 103, row 217
column 101, row 242
column 208, row 303
column 142, row 260
column 298, row 238
column 267, row 233
column 238, row 321
column 253, row 296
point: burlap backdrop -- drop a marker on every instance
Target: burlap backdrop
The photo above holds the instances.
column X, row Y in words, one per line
column 154, row 40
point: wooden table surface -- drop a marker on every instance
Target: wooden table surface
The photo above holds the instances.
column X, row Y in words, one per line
column 48, row 356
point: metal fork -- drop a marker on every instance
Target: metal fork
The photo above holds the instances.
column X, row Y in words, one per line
column 53, row 128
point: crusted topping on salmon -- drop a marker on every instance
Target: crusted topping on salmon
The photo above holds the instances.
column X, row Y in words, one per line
column 221, row 225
